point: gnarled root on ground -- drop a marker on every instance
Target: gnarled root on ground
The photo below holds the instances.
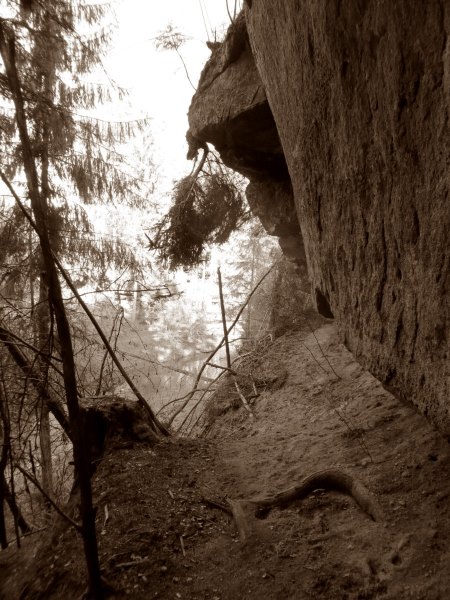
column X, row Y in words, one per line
column 335, row 480
column 330, row 479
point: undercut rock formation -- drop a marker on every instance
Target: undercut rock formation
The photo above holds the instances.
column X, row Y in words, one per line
column 230, row 110
column 347, row 105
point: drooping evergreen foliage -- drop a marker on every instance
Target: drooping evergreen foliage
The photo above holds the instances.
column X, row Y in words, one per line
column 58, row 51
column 206, row 209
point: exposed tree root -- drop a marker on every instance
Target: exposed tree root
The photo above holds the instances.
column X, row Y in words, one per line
column 240, row 520
column 329, row 479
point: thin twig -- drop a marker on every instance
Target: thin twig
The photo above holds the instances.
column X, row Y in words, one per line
column 360, row 438
column 320, row 348
column 182, row 545
column 224, row 319
column 320, row 365
column 199, row 401
column 182, row 398
column 243, row 398
column 227, row 346
column 221, row 367
column 106, row 354
column 185, row 69
column 217, row 348
column 228, row 11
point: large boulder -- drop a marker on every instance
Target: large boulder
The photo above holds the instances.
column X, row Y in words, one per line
column 359, row 93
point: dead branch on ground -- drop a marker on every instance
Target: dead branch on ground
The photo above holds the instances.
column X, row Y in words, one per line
column 240, row 520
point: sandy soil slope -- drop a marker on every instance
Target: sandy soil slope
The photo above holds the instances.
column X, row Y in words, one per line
column 331, row 413
column 162, row 541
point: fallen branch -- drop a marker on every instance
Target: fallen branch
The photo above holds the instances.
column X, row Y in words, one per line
column 219, row 505
column 183, row 550
column 132, row 563
column 234, row 509
column 243, row 398
column 330, row 480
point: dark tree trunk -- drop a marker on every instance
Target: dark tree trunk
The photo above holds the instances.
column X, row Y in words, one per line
column 10, row 499
column 5, row 439
column 3, row 538
column 7, row 49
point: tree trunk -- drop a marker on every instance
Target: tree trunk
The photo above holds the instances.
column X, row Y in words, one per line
column 10, row 499
column 82, row 468
column 5, row 439
column 43, row 343
column 3, row 538
column 46, row 450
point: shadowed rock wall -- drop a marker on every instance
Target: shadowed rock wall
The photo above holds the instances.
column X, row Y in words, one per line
column 360, row 95
column 344, row 120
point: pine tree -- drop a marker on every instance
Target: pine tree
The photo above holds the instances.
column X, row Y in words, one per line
column 49, row 139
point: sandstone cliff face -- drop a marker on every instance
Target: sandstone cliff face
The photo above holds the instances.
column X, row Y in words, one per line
column 360, row 93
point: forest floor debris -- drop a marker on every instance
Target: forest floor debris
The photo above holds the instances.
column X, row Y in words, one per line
column 163, row 540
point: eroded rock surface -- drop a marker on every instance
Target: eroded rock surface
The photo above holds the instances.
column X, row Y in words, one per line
column 360, row 94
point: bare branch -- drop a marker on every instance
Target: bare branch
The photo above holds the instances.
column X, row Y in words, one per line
column 48, row 498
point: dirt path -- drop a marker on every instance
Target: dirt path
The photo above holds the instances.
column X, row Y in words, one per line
column 159, row 540
column 325, row 546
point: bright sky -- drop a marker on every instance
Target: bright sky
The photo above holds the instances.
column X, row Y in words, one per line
column 156, row 79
